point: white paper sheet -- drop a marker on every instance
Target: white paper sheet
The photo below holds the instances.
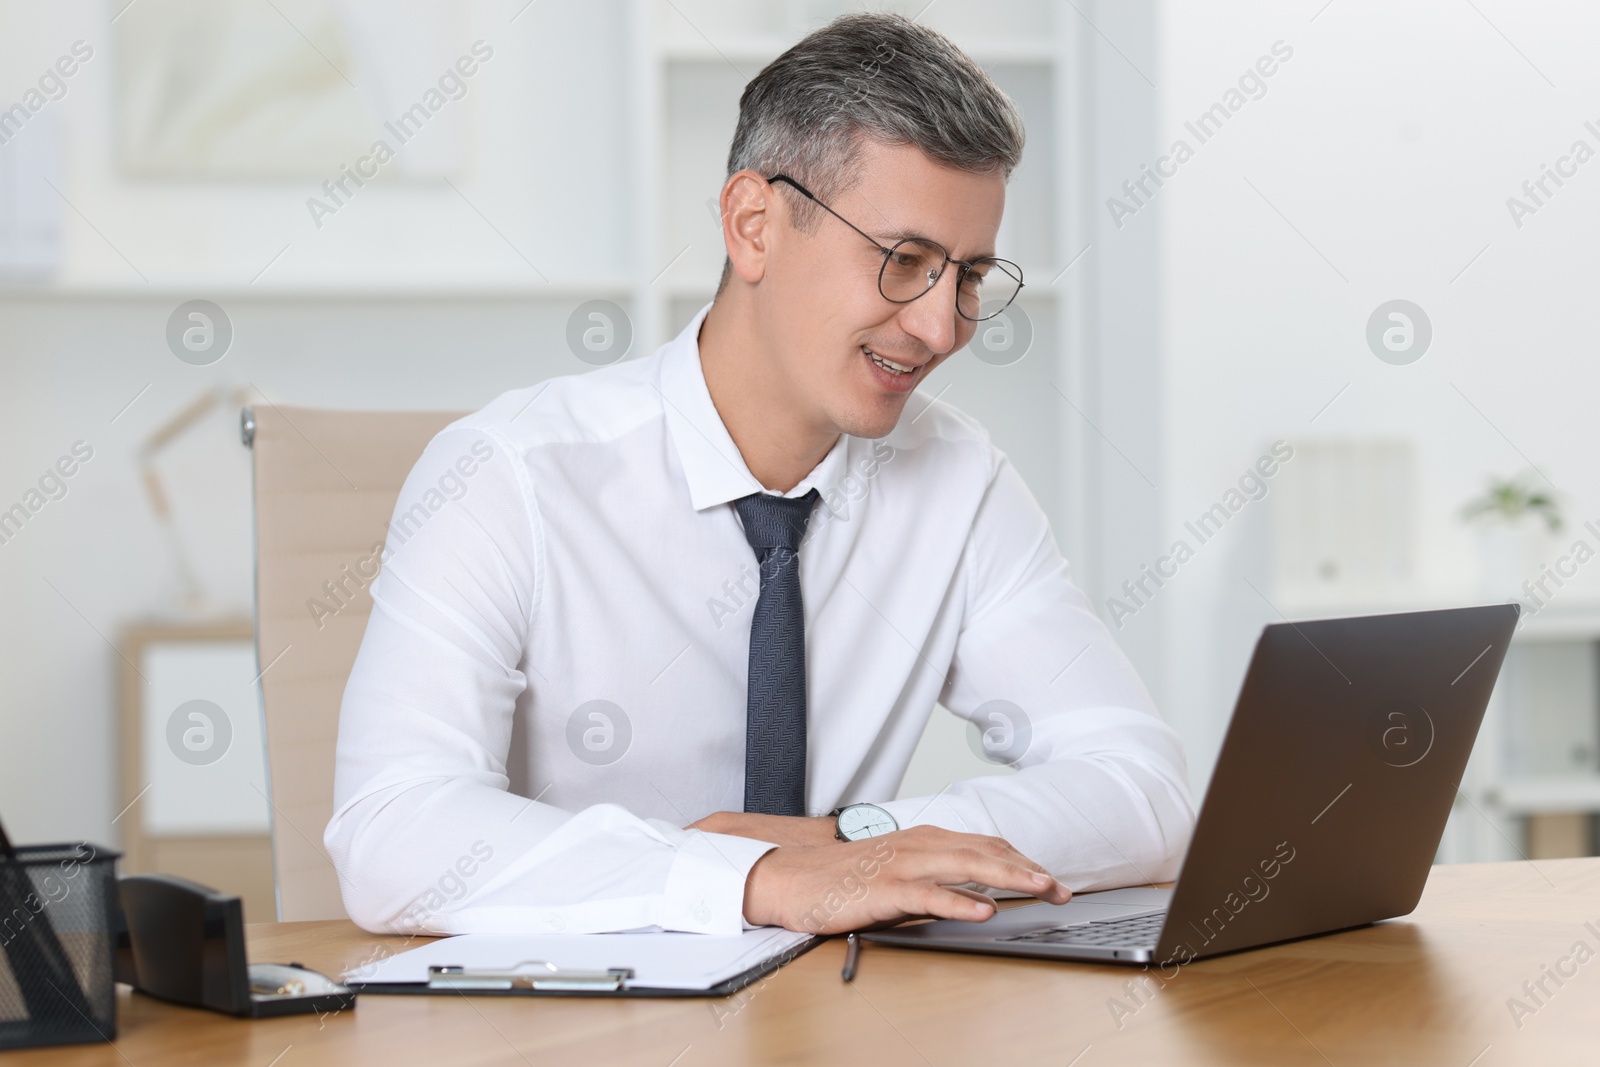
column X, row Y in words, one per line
column 658, row 960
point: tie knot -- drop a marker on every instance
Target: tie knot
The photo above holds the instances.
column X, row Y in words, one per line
column 775, row 521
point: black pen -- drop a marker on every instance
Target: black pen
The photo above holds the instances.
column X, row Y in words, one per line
column 852, row 956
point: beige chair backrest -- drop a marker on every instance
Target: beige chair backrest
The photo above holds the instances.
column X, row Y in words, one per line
column 325, row 487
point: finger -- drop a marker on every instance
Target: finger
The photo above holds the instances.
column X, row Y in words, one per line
column 1050, row 888
column 976, row 894
column 1048, row 895
column 1046, row 887
column 941, row 902
column 998, row 847
column 955, row 866
column 908, row 901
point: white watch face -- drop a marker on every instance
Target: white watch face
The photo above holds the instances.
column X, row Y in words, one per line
column 865, row 820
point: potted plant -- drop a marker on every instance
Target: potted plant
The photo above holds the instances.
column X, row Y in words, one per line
column 1516, row 519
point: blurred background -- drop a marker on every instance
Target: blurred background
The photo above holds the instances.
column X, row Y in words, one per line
column 1307, row 331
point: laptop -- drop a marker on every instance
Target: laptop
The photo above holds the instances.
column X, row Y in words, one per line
column 1326, row 808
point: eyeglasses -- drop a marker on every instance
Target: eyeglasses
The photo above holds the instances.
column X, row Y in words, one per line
column 984, row 288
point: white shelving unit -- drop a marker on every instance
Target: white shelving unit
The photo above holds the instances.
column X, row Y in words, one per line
column 1537, row 757
column 1522, row 765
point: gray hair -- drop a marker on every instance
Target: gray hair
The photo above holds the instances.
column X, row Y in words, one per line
column 875, row 76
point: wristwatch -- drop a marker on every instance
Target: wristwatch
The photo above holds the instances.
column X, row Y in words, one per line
column 858, row 821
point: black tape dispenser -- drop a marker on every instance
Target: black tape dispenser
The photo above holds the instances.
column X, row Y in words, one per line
column 184, row 942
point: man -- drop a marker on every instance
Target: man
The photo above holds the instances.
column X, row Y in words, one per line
column 663, row 656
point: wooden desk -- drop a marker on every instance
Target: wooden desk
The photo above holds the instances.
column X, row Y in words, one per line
column 1428, row 989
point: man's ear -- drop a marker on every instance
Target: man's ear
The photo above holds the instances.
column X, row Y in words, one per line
column 749, row 219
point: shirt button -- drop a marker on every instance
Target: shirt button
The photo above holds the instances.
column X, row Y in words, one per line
column 556, row 922
column 702, row 914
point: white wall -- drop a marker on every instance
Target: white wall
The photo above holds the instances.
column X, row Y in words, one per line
column 1390, row 141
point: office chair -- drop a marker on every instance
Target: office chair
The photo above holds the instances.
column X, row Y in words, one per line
column 325, row 488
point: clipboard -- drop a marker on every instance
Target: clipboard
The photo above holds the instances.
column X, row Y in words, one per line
column 543, row 977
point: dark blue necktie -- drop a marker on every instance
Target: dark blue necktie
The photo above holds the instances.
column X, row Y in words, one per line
column 775, row 714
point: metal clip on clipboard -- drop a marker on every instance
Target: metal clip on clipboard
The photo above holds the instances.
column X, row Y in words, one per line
column 528, row 974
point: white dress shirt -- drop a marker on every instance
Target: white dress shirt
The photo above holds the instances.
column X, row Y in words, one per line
column 575, row 542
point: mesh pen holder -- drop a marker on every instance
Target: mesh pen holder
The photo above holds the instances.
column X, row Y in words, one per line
column 57, row 908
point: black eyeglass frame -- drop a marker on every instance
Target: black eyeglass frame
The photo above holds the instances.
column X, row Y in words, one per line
column 966, row 266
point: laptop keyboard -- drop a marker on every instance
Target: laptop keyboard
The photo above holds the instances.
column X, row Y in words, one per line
column 1134, row 931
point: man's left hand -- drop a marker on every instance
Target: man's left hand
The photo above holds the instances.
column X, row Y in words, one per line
column 784, row 830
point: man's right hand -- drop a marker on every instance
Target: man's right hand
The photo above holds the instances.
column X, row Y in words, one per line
column 829, row 889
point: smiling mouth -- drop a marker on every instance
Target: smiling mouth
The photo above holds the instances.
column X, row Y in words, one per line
column 889, row 365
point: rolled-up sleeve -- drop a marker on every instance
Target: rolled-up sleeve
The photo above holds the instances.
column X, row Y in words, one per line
column 425, row 836
column 1101, row 796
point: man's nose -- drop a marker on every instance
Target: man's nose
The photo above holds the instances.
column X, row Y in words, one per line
column 931, row 318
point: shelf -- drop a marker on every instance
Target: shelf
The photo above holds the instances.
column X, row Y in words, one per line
column 1577, row 620
column 1314, row 604
column 704, row 287
column 1534, row 796
column 420, row 289
column 685, row 288
column 1574, row 620
column 755, row 52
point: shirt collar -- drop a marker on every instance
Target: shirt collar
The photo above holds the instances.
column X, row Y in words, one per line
column 711, row 462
